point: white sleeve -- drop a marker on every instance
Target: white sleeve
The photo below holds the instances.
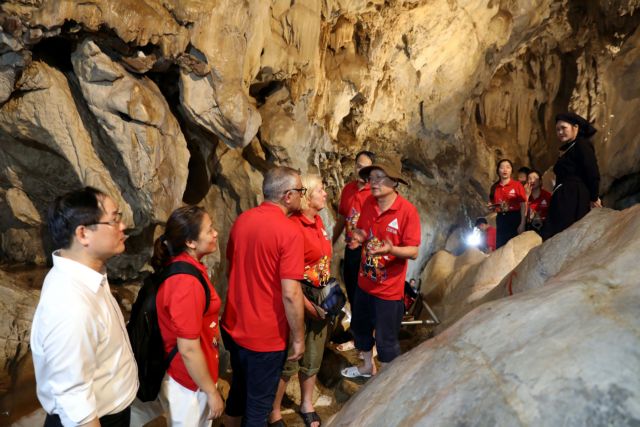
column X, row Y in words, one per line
column 69, row 341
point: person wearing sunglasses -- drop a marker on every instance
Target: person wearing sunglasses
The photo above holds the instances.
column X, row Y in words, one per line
column 85, row 370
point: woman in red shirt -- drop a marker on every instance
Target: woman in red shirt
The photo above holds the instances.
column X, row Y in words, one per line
column 189, row 393
column 317, row 260
column 534, row 212
column 507, row 196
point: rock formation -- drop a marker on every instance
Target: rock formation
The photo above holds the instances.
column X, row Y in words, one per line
column 166, row 102
column 562, row 351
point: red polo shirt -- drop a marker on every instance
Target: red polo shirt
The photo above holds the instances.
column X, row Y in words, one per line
column 317, row 248
column 180, row 303
column 512, row 193
column 351, row 200
column 384, row 276
column 264, row 248
column 540, row 205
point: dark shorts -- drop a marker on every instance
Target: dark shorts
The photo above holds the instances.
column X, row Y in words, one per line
column 382, row 316
column 121, row 419
column 254, row 383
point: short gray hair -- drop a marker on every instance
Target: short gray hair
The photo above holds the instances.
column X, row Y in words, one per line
column 277, row 181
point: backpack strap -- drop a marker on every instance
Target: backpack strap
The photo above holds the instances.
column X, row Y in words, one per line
column 182, row 267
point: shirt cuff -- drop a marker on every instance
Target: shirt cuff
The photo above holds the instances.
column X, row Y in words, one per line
column 76, row 409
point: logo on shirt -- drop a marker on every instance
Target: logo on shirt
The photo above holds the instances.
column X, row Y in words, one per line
column 512, row 192
column 543, row 203
column 393, row 226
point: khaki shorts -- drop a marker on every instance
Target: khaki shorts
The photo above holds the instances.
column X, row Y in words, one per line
column 315, row 336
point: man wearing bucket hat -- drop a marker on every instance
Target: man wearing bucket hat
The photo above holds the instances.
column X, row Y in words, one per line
column 389, row 231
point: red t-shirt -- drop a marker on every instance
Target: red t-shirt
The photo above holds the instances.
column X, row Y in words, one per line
column 539, row 205
column 317, row 248
column 491, row 238
column 513, row 193
column 264, row 248
column 384, row 276
column 351, row 200
column 180, row 304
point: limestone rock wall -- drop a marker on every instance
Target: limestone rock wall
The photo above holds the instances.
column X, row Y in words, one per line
column 141, row 99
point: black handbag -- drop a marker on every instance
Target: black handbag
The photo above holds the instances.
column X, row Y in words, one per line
column 328, row 297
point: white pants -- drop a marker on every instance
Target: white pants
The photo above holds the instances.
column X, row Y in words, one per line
column 181, row 406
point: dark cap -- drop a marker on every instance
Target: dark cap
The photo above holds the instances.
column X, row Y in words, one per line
column 585, row 129
column 391, row 166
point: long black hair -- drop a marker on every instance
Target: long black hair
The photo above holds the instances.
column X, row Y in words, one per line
column 183, row 225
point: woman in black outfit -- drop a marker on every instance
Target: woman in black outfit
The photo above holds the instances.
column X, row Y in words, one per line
column 577, row 175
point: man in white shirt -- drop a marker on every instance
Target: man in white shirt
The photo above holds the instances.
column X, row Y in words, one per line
column 85, row 371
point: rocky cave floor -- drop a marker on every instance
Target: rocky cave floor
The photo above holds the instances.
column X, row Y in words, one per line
column 334, row 390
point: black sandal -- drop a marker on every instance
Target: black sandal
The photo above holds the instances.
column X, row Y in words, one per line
column 277, row 423
column 310, row 417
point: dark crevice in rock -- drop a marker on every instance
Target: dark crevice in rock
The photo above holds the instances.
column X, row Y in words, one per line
column 55, row 51
column 262, row 90
column 200, row 176
column 624, row 192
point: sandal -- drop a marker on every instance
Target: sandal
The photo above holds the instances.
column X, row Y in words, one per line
column 310, row 418
column 346, row 346
column 353, row 372
column 277, row 423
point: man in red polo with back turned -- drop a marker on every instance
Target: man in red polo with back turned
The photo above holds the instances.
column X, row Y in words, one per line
column 351, row 199
column 389, row 229
column 264, row 301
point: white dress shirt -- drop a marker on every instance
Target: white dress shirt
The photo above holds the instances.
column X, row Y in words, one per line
column 83, row 361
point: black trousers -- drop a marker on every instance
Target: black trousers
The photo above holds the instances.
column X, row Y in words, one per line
column 121, row 419
column 506, row 227
column 350, row 269
column 382, row 316
column 254, row 383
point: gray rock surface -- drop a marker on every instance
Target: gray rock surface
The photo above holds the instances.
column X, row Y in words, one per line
column 563, row 352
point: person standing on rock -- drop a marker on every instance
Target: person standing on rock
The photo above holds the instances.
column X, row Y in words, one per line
column 85, row 370
column 317, row 271
column 264, row 311
column 389, row 230
column 535, row 211
column 577, row 175
column 507, row 198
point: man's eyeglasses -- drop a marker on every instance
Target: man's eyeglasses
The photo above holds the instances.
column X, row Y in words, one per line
column 301, row 190
column 117, row 220
column 377, row 178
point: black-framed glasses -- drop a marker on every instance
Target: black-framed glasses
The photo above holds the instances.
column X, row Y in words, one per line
column 117, row 220
column 301, row 190
column 374, row 179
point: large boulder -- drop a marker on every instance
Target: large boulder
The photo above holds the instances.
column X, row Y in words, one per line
column 453, row 286
column 563, row 352
column 142, row 138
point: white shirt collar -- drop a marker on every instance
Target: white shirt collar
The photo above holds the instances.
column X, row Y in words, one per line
column 79, row 272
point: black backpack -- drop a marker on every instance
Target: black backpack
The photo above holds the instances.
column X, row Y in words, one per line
column 144, row 332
